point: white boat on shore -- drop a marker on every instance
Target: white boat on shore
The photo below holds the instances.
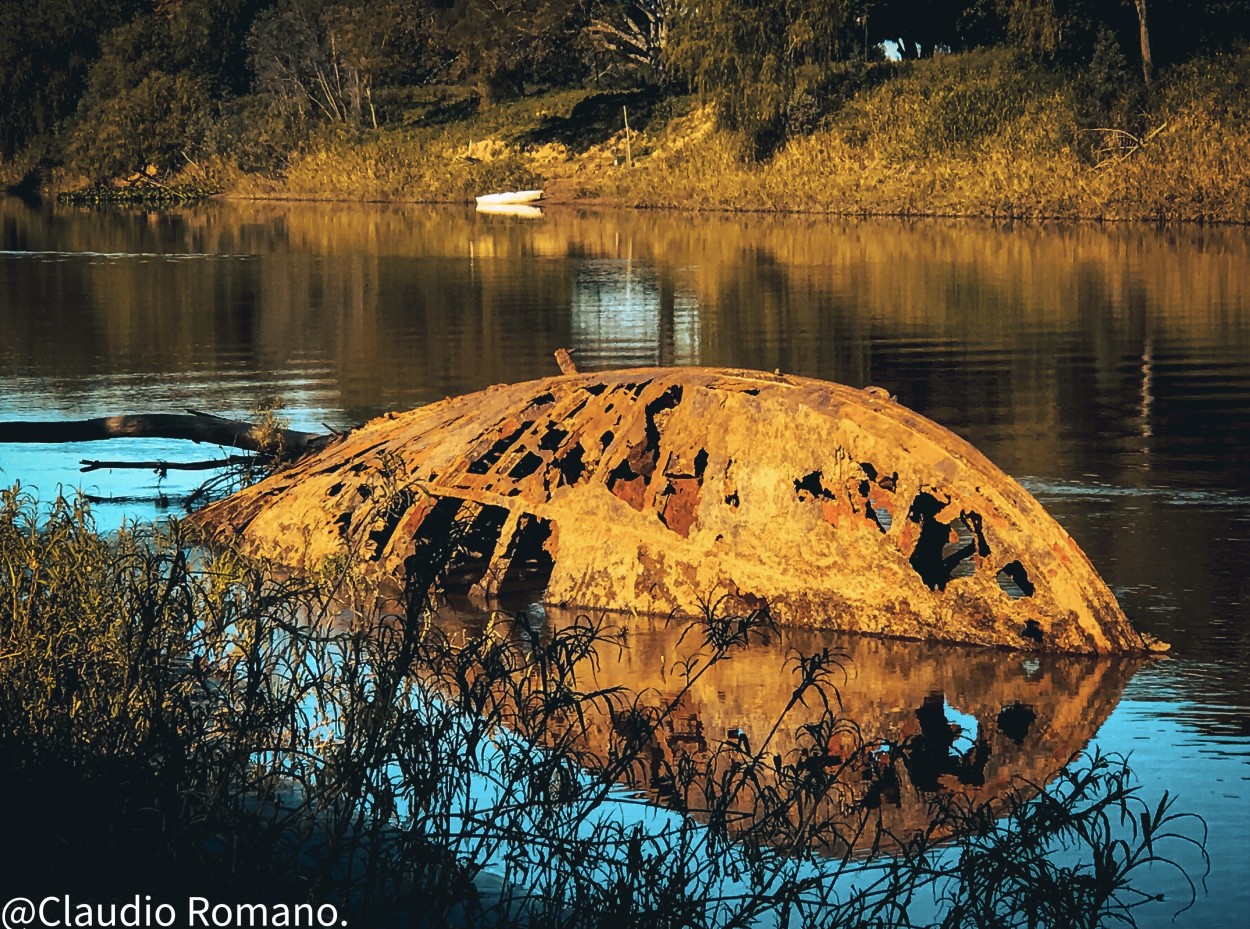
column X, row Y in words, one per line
column 510, row 197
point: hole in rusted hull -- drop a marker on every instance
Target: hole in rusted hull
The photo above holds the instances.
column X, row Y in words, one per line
column 468, row 561
column 526, row 466
column 874, row 492
column 496, row 451
column 1014, row 581
column 880, row 514
column 551, row 441
column 957, row 555
column 927, row 559
column 974, row 524
column 665, row 401
column 811, row 484
column 531, row 564
column 1033, row 631
column 432, row 542
column 398, row 508
column 632, row 475
column 343, row 523
column 571, row 466
column 945, row 550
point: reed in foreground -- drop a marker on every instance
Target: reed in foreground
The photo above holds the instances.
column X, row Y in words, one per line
column 182, row 723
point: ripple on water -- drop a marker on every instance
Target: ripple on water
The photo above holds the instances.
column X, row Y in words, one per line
column 1044, row 489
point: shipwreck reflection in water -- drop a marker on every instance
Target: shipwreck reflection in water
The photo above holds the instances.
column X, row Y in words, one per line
column 908, row 720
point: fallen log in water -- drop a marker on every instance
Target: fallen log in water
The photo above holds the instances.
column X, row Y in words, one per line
column 669, row 490
column 191, row 426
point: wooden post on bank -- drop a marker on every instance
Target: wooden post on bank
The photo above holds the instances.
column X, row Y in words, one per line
column 629, row 155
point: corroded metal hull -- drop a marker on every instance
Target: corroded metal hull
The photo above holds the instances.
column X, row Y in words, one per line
column 672, row 490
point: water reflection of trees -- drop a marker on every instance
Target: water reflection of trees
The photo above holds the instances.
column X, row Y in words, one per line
column 965, row 321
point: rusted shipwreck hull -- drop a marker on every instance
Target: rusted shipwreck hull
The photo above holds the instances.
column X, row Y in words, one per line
column 664, row 490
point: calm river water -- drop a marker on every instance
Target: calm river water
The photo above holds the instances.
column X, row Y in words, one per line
column 1106, row 367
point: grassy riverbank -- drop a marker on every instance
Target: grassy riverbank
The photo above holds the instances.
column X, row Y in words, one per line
column 986, row 133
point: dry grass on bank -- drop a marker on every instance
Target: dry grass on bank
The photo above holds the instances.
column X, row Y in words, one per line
column 983, row 134
column 974, row 137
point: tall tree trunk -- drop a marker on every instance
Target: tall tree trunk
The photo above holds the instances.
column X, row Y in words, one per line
column 1147, row 64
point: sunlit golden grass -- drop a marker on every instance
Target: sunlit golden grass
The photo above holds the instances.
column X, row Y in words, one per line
column 983, row 134
column 414, row 165
column 1007, row 150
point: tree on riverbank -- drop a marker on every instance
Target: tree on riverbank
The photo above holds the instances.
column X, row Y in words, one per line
column 46, row 51
column 754, row 60
column 245, row 95
column 325, row 59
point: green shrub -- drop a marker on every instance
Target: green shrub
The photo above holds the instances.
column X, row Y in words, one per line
column 155, row 123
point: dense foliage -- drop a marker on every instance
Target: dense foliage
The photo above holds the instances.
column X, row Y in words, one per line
column 121, row 86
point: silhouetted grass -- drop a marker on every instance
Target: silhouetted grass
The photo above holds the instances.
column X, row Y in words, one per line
column 178, row 722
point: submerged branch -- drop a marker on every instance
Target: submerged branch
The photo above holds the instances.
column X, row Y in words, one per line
column 90, row 464
column 191, row 426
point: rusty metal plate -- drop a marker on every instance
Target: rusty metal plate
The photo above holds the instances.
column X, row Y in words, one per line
column 675, row 490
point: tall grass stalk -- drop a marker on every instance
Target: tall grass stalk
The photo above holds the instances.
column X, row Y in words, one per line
column 174, row 721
